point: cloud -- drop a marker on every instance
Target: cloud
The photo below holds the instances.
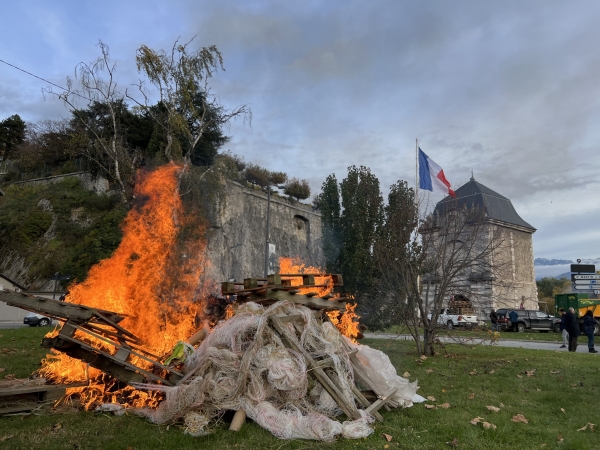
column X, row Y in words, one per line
column 506, row 89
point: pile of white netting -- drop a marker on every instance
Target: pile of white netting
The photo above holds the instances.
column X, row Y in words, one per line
column 243, row 363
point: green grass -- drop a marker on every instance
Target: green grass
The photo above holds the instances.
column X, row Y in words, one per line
column 505, row 335
column 447, row 377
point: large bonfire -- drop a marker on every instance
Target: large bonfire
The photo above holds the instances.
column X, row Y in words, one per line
column 156, row 280
column 149, row 279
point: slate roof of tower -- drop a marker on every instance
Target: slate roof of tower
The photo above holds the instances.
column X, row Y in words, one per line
column 475, row 194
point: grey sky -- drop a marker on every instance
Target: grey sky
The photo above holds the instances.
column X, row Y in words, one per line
column 507, row 89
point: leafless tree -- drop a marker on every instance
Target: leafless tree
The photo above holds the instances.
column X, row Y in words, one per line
column 95, row 83
column 424, row 261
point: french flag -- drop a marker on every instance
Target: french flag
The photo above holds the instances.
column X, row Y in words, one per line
column 431, row 176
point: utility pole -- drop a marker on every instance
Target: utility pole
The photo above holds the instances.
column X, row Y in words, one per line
column 268, row 224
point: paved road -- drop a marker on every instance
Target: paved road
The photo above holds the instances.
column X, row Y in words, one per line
column 534, row 345
column 5, row 325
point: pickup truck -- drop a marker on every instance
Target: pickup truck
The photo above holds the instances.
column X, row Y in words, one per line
column 532, row 320
column 450, row 320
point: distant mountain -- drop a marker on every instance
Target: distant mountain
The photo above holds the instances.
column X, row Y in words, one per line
column 557, row 262
column 551, row 262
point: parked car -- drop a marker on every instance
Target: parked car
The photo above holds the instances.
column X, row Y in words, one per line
column 37, row 320
column 450, row 319
column 532, row 320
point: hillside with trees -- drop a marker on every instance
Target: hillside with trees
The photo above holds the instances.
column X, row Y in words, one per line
column 62, row 227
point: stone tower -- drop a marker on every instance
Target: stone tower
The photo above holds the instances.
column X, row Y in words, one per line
column 511, row 277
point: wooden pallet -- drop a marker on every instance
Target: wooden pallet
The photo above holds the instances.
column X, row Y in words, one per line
column 95, row 324
column 26, row 397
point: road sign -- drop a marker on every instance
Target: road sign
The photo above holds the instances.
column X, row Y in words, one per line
column 587, row 277
column 587, row 281
column 596, row 292
column 582, row 287
column 583, row 268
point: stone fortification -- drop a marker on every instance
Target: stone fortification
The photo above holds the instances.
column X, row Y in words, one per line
column 236, row 242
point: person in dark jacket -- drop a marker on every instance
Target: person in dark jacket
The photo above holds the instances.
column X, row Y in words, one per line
column 565, row 333
column 494, row 319
column 572, row 328
column 588, row 326
column 514, row 320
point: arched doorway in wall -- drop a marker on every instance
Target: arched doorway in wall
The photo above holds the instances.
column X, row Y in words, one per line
column 302, row 230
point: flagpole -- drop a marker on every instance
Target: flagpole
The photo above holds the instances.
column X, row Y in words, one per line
column 417, row 173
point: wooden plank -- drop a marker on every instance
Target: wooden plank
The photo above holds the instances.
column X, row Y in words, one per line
column 348, row 409
column 126, row 351
column 365, row 403
column 300, row 299
column 37, row 388
column 382, row 401
column 20, row 408
column 328, row 362
column 54, row 308
column 103, row 361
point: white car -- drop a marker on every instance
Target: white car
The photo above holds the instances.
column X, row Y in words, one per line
column 37, row 320
column 455, row 320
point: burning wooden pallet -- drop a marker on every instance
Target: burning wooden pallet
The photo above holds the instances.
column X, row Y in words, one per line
column 280, row 286
column 96, row 324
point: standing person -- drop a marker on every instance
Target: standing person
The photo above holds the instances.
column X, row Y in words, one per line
column 572, row 328
column 494, row 319
column 588, row 327
column 514, row 320
column 563, row 330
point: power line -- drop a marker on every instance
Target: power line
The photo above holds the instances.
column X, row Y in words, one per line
column 44, row 80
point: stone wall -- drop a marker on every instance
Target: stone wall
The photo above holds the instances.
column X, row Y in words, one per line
column 236, row 243
column 97, row 184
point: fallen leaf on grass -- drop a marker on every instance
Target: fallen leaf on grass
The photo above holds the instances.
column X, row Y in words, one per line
column 387, row 437
column 574, row 385
column 453, row 443
column 529, row 373
column 10, row 376
column 554, row 372
column 56, row 427
column 406, row 375
column 443, row 390
column 429, row 370
column 423, row 357
column 488, row 425
column 519, row 375
column 562, row 409
column 6, row 438
column 386, row 446
column 519, row 418
column 476, row 420
column 430, row 406
column 2, row 369
column 501, row 405
column 493, row 408
column 431, row 398
column 472, row 396
column 591, row 425
column 559, row 438
column 491, row 371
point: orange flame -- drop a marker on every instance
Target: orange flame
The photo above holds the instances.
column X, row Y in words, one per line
column 153, row 278
column 296, row 266
column 346, row 322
